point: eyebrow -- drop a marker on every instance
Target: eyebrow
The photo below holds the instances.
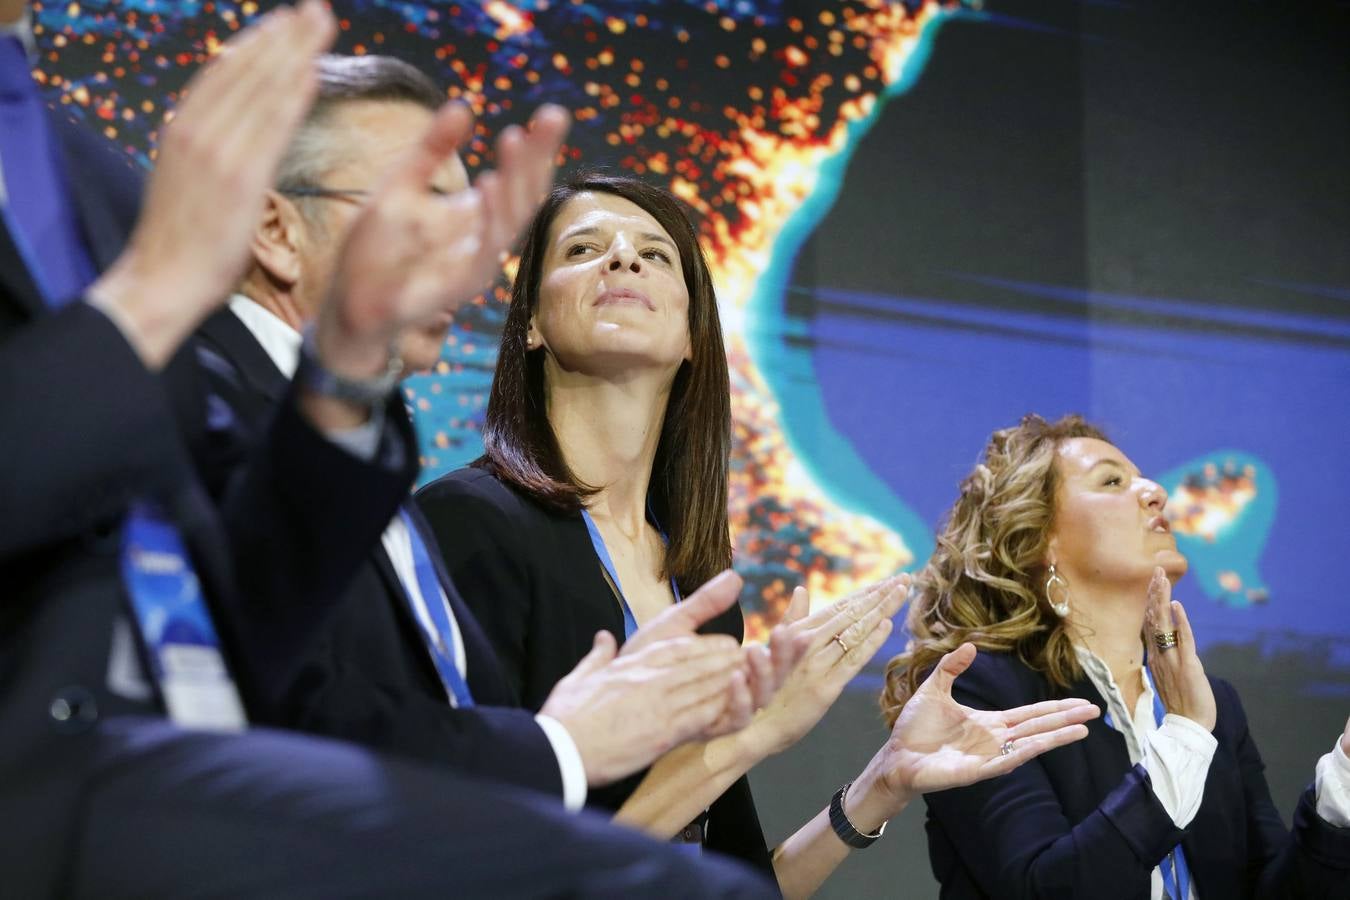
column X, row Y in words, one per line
column 1108, row 462
column 649, row 237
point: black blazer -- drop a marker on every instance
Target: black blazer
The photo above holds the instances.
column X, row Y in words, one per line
column 1079, row 821
column 535, row 584
column 366, row 676
column 86, row 429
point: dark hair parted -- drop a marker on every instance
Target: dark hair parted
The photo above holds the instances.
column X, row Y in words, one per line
column 985, row 580
column 688, row 490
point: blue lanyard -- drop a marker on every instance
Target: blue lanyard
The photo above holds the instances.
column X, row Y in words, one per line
column 598, row 542
column 1176, row 874
column 441, row 645
column 175, row 624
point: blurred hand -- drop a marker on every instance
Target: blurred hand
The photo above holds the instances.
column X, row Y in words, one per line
column 1178, row 674
column 217, row 157
column 938, row 744
column 413, row 253
column 1345, row 739
column 821, row 666
column 624, row 712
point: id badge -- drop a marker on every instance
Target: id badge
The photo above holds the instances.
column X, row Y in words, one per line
column 176, row 626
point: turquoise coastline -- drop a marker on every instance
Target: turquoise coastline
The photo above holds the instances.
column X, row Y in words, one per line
column 827, row 455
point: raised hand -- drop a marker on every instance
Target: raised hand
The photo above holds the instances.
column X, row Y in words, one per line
column 835, row 643
column 217, row 157
column 1177, row 672
column 937, row 743
column 761, row 665
column 623, row 713
column 412, row 253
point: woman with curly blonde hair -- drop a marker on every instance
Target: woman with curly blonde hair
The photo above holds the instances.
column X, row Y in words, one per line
column 1057, row 562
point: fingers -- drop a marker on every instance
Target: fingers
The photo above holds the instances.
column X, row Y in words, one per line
column 948, row 668
column 703, row 717
column 737, row 712
column 853, row 630
column 859, row 654
column 786, row 649
column 708, row 602
column 855, row 604
column 798, row 606
column 1159, row 609
column 685, row 618
column 761, row 675
column 1068, row 713
column 603, row 649
column 525, row 165
column 449, row 130
column 1031, row 748
column 1185, row 637
column 274, row 86
column 1022, row 714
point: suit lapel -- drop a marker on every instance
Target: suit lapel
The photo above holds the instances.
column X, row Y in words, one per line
column 237, row 344
column 1103, row 752
column 19, row 290
column 104, row 234
column 588, row 582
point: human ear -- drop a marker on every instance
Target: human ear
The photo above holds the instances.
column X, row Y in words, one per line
column 277, row 239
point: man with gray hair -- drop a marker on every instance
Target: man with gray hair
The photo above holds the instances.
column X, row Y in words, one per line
column 403, row 666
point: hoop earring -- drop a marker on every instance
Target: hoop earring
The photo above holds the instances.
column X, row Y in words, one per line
column 1056, row 580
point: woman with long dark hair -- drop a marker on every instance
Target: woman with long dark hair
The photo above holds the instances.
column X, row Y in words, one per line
column 601, row 499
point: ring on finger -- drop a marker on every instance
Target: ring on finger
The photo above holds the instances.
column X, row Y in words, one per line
column 839, row 639
column 1165, row 640
column 1006, row 749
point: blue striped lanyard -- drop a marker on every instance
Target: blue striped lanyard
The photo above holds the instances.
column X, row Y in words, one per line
column 1176, row 874
column 441, row 644
column 174, row 621
column 598, row 542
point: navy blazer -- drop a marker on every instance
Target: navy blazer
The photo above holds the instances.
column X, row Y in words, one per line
column 1080, row 822
column 87, row 429
column 366, row 675
column 535, row 584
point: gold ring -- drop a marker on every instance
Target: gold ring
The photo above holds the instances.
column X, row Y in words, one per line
column 838, row 639
column 1165, row 640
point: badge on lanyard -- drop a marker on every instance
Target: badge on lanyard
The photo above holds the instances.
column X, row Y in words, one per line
column 176, row 626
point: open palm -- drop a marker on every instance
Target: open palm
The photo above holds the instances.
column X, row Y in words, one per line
column 937, row 743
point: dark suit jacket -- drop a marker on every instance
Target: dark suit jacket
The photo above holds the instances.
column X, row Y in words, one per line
column 367, row 676
column 1081, row 822
column 86, row 429
column 533, row 580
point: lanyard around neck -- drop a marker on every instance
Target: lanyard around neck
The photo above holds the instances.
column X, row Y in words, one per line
column 598, row 542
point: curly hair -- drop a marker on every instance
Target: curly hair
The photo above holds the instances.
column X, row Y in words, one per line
column 983, row 583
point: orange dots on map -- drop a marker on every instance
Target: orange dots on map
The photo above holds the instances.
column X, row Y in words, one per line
column 729, row 103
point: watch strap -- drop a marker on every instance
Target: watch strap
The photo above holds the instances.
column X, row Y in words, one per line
column 844, row 828
column 369, row 392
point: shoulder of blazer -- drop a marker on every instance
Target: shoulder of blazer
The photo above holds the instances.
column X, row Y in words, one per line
column 481, row 488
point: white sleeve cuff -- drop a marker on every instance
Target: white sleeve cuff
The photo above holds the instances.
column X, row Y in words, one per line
column 1333, row 787
column 1177, row 758
column 363, row 440
column 569, row 762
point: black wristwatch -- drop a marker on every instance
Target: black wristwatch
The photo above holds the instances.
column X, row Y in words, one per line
column 844, row 828
column 369, row 392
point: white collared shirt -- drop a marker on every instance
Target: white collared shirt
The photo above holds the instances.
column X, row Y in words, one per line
column 281, row 342
column 1177, row 754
